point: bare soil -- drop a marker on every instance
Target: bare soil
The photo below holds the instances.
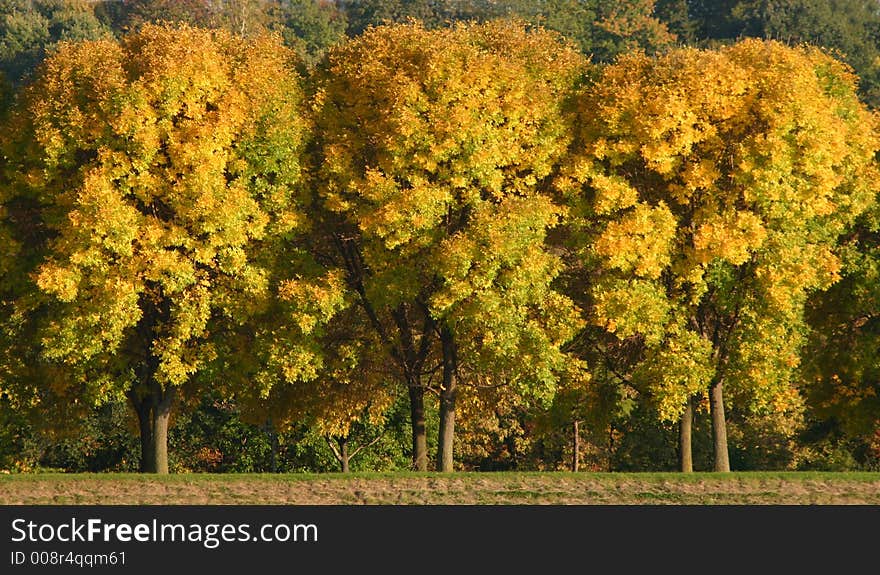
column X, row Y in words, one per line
column 447, row 489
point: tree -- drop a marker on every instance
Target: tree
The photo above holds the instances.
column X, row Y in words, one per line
column 601, row 29
column 160, row 172
column 361, row 14
column 711, row 188
column 129, row 15
column 431, row 147
column 31, row 28
column 347, row 391
column 676, row 16
column 308, row 26
column 841, row 375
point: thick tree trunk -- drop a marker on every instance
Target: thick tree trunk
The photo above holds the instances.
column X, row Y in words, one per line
column 419, row 428
column 160, row 443
column 411, row 356
column 576, row 446
column 446, row 436
column 719, row 426
column 685, row 431
column 161, row 416
column 153, row 412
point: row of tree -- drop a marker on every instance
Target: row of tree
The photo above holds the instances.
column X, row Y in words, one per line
column 473, row 212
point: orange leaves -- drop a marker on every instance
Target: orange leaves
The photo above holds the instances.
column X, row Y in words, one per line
column 613, row 193
column 73, row 97
column 751, row 125
column 402, row 213
column 445, row 106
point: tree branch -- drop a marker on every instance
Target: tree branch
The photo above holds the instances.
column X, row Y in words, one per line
column 334, row 449
column 366, row 446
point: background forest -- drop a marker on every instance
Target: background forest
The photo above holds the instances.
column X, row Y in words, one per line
column 650, row 246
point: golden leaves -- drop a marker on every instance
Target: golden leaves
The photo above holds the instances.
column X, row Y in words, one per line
column 163, row 158
column 633, row 307
column 731, row 236
column 313, row 302
column 675, row 371
column 714, row 186
column 640, row 241
column 434, row 114
column 613, row 193
column 60, row 281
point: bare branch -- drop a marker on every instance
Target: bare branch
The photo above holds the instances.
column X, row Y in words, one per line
column 366, row 446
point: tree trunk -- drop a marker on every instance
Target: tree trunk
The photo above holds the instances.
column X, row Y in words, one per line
column 145, row 426
column 343, row 454
column 419, row 428
column 575, row 447
column 153, row 412
column 161, row 416
column 151, row 402
column 719, row 426
column 610, row 457
column 446, row 435
column 685, row 431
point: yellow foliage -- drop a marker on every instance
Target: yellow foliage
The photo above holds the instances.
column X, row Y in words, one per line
column 732, row 237
column 162, row 159
column 714, row 187
column 640, row 241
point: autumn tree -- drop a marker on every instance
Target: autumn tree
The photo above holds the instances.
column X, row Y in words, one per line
column 431, row 148
column 339, row 384
column 353, row 392
column 160, row 166
column 711, row 188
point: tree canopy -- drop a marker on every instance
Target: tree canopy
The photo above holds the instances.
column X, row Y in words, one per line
column 715, row 187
